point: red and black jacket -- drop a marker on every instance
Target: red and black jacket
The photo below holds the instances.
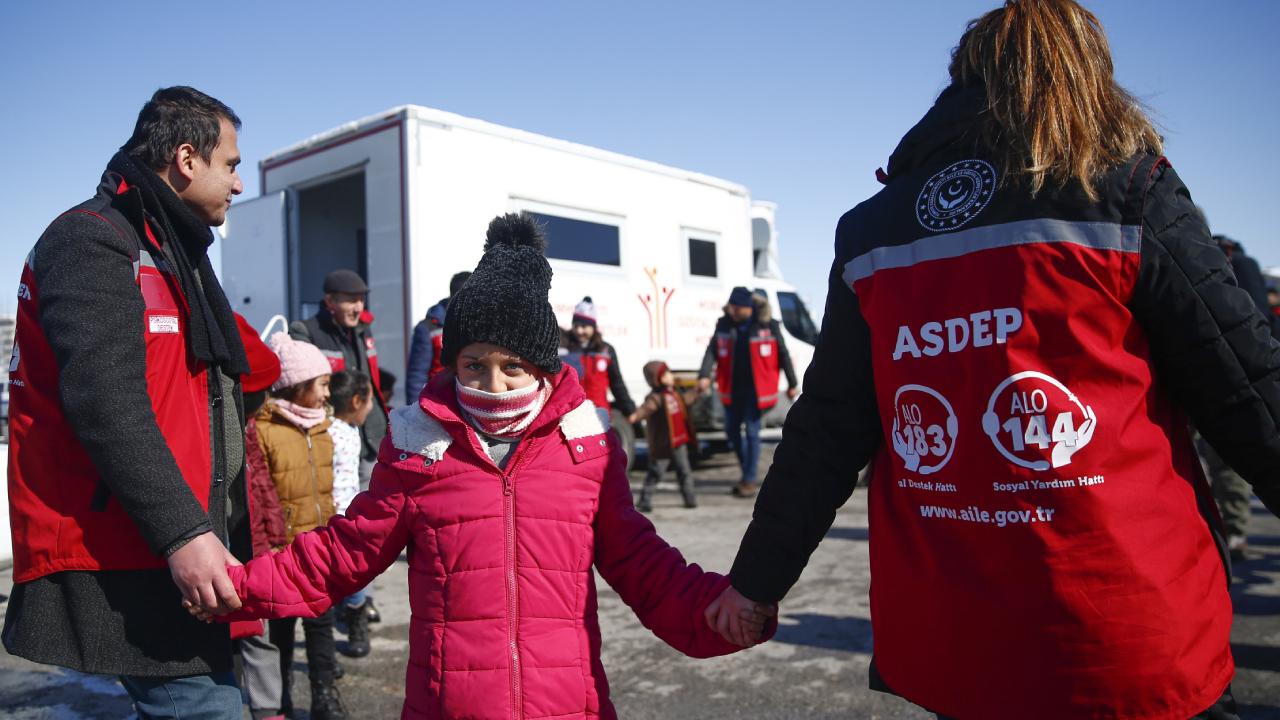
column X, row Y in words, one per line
column 598, row 371
column 1019, row 372
column 349, row 349
column 110, row 459
column 766, row 350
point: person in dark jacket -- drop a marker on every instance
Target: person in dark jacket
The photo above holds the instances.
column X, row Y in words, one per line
column 1018, row 326
column 126, row 474
column 424, row 348
column 348, row 344
column 595, row 360
column 747, row 351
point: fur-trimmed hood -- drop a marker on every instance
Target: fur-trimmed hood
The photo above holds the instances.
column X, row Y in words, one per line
column 762, row 314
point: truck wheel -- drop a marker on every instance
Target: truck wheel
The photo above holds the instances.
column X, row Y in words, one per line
column 626, row 433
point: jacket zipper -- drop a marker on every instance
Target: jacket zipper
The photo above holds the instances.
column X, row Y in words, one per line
column 513, row 601
column 513, row 646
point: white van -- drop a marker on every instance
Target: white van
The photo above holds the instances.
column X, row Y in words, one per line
column 404, row 197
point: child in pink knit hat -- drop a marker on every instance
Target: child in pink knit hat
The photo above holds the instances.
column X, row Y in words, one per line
column 293, row 440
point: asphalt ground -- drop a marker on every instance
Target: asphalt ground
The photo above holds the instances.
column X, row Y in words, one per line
column 816, row 667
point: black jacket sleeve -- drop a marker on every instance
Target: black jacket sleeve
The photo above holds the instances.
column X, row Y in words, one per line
column 784, row 355
column 93, row 318
column 830, row 434
column 621, row 398
column 1211, row 347
column 420, row 351
column 709, row 357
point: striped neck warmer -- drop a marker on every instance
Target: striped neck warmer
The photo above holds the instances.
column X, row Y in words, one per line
column 503, row 415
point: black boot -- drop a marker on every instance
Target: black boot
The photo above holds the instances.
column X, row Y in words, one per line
column 371, row 611
column 357, row 621
column 690, row 499
column 326, row 704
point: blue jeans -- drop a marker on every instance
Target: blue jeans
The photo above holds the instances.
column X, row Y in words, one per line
column 355, row 599
column 746, row 448
column 199, row 697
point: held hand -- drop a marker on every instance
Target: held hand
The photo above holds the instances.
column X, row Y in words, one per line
column 199, row 569
column 792, row 393
column 199, row 613
column 737, row 619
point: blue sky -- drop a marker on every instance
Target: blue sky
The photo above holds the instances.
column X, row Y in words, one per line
column 800, row 102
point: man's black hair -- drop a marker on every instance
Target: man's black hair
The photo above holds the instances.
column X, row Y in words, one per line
column 173, row 116
column 346, row 385
column 457, row 281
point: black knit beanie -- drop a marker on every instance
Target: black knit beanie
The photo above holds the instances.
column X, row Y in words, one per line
column 504, row 302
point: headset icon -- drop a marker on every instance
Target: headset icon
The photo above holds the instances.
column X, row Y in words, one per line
column 1062, row 452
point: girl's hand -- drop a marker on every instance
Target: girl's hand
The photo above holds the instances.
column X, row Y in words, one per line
column 738, row 619
column 198, row 612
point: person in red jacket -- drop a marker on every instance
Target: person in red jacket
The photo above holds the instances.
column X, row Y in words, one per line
column 1018, row 327
column 508, row 487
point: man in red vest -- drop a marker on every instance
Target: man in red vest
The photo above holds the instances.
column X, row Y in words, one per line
column 340, row 331
column 748, row 353
column 126, row 466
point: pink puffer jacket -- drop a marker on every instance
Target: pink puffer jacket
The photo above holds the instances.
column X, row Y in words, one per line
column 500, row 563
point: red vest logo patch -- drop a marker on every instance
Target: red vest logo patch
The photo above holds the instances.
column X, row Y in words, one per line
column 163, row 325
column 924, row 428
column 1031, row 414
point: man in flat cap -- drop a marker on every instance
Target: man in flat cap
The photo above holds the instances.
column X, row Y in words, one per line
column 348, row 344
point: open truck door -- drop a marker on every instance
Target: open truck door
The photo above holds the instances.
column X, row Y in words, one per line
column 254, row 257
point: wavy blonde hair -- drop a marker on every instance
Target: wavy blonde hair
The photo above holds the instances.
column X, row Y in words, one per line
column 1054, row 111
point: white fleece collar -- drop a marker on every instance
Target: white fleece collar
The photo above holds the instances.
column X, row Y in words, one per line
column 412, row 430
column 584, row 421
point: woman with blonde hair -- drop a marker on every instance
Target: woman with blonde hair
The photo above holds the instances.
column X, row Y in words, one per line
column 1018, row 327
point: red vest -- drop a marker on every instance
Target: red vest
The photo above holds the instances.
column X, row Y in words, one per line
column 764, row 366
column 677, row 424
column 1037, row 545
column 52, row 481
column 437, row 351
column 595, row 377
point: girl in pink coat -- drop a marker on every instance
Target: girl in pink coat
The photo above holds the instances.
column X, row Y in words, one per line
column 507, row 487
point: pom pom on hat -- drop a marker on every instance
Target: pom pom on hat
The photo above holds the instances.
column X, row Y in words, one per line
column 299, row 361
column 584, row 313
column 504, row 302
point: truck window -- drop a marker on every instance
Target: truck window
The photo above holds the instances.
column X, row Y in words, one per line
column 795, row 317
column 702, row 257
column 579, row 240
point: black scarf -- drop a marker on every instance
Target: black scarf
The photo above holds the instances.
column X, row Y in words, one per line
column 212, row 334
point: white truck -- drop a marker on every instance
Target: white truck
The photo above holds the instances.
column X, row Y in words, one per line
column 404, row 197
